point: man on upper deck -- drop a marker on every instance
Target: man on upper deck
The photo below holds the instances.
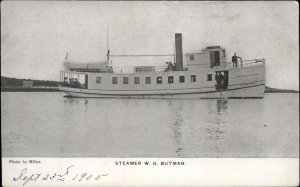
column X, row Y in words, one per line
column 234, row 60
column 170, row 66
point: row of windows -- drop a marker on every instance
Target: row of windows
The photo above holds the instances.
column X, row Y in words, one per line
column 159, row 80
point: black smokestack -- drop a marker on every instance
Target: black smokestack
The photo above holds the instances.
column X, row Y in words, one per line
column 178, row 46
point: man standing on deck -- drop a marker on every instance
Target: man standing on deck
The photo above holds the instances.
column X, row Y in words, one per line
column 234, row 60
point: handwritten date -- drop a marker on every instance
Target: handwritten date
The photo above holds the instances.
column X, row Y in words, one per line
column 67, row 175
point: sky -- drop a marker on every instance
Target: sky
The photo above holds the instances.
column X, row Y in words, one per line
column 35, row 36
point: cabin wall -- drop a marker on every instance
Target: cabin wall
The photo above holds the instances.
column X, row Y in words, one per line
column 202, row 60
column 106, row 81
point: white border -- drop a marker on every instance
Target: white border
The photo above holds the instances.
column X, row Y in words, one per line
column 194, row 172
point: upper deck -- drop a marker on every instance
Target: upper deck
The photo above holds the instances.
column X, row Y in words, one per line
column 210, row 58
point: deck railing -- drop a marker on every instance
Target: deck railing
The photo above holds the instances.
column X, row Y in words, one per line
column 131, row 69
column 72, row 85
column 247, row 63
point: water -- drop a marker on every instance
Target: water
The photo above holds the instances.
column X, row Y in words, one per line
column 44, row 124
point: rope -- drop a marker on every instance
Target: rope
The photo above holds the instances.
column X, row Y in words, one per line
column 137, row 55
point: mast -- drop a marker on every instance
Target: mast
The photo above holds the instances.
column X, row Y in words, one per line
column 107, row 44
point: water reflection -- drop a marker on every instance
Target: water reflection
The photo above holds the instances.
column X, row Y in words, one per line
column 222, row 105
column 74, row 108
column 176, row 126
column 71, row 100
column 216, row 128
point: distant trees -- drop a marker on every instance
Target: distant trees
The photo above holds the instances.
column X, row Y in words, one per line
column 6, row 81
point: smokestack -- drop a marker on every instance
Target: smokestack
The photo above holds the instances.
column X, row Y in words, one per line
column 178, row 46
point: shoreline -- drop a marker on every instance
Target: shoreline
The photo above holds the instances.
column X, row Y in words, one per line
column 33, row 89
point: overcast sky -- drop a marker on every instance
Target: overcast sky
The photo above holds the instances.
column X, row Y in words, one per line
column 35, row 36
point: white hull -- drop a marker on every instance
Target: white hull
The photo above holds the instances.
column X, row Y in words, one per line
column 255, row 91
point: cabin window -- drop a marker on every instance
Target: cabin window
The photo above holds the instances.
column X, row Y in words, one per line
column 193, row 78
column 148, row 80
column 181, row 79
column 170, row 79
column 98, row 80
column 223, row 52
column 159, row 80
column 115, row 80
column 136, row 80
column 209, row 77
column 191, row 57
column 125, row 80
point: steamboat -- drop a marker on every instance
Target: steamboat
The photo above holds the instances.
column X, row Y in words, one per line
column 207, row 74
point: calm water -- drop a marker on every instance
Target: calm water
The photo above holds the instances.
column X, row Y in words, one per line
column 48, row 124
